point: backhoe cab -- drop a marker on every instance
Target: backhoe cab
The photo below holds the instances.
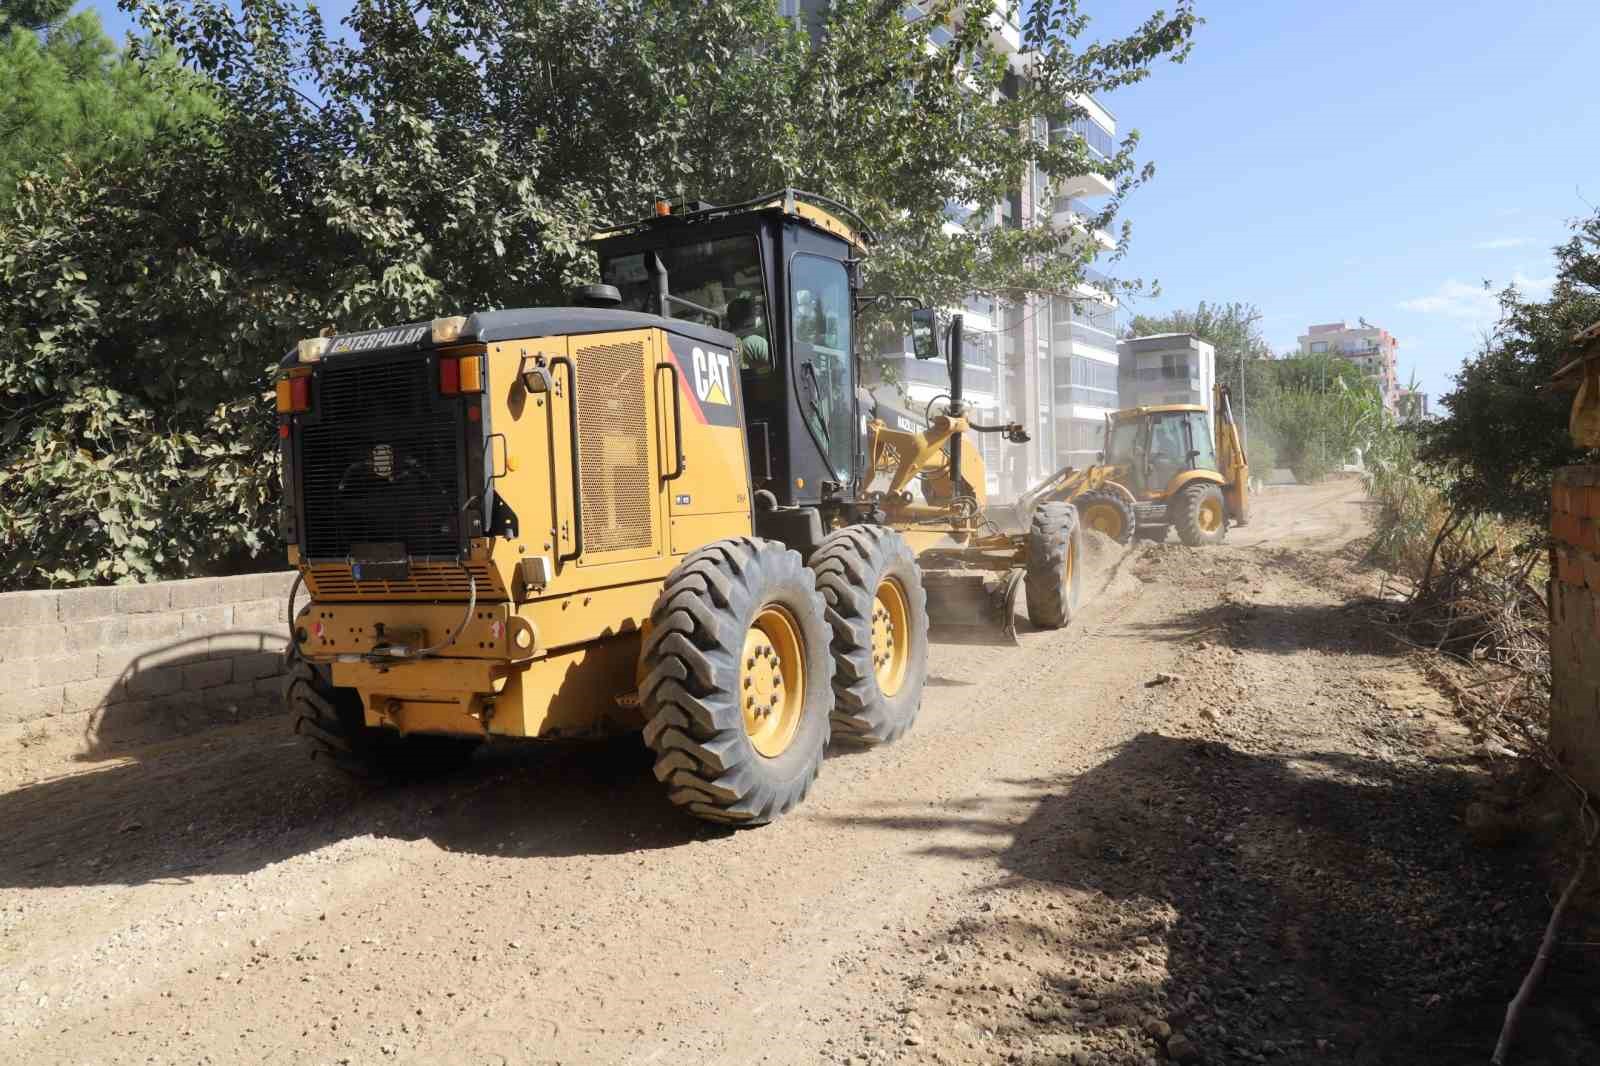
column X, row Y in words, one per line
column 660, row 509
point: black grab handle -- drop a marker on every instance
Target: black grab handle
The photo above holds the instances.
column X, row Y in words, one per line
column 677, row 420
column 577, row 468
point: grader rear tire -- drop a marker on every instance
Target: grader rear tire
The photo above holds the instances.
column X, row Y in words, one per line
column 1199, row 514
column 1106, row 512
column 331, row 722
column 878, row 610
column 1054, row 580
column 738, row 682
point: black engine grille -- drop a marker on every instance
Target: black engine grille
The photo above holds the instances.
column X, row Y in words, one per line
column 381, row 462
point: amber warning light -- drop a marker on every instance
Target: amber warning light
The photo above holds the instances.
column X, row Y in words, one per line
column 294, row 394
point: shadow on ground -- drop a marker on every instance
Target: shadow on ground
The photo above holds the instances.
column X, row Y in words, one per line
column 186, row 687
column 237, row 798
column 1317, row 907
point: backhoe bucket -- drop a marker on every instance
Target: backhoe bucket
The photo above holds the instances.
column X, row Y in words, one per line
column 973, row 607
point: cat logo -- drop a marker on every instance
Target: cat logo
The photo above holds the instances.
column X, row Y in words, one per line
column 711, row 376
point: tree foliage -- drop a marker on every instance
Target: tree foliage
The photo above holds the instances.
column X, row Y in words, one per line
column 1505, row 432
column 427, row 161
column 32, row 16
column 71, row 94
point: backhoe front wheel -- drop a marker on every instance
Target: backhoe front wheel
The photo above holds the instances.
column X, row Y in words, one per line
column 1054, row 580
column 878, row 611
column 738, row 682
column 1199, row 514
column 1106, row 512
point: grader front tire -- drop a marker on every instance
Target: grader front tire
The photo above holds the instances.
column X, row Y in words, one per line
column 1054, row 580
column 738, row 682
column 879, row 614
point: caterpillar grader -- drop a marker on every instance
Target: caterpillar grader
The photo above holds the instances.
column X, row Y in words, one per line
column 1162, row 469
column 660, row 510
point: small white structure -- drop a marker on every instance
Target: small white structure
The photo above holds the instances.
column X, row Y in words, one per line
column 1166, row 368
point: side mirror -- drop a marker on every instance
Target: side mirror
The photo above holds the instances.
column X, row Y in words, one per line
column 924, row 333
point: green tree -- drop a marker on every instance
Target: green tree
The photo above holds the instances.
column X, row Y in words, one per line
column 32, row 16
column 71, row 94
column 1504, row 433
column 454, row 157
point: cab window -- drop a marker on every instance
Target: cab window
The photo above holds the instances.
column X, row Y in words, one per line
column 714, row 282
column 1124, row 438
column 1201, row 441
column 820, row 316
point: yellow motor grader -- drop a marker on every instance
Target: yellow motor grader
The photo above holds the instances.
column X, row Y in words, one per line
column 651, row 511
column 1162, row 469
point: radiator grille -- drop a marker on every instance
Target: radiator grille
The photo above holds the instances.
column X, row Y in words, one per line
column 614, row 447
column 428, row 580
column 381, row 463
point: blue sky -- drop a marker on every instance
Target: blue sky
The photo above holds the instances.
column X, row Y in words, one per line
column 1330, row 161
column 1361, row 158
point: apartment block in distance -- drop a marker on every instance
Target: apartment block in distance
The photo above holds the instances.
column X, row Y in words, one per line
column 1371, row 348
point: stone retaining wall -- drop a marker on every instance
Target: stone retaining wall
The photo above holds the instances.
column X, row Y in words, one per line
column 131, row 662
column 1575, row 623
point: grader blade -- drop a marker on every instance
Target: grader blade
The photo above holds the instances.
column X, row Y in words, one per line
column 973, row 608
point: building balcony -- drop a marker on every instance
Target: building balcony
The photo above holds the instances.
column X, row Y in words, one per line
column 1090, row 184
column 1073, row 220
column 1005, row 36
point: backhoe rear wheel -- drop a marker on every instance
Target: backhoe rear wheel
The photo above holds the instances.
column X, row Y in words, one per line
column 1106, row 512
column 738, row 681
column 1199, row 514
column 878, row 610
column 1054, row 580
column 333, row 725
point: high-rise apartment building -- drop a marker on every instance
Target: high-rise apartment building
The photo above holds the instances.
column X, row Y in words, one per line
column 1048, row 362
column 1371, row 348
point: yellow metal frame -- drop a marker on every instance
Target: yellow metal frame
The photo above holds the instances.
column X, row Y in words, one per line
column 558, row 658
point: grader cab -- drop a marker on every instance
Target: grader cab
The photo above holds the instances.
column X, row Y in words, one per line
column 650, row 511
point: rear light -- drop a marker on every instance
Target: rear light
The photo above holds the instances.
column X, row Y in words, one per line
column 463, row 375
column 294, row 394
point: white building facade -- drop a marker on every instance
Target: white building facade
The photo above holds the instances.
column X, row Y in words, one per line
column 1048, row 362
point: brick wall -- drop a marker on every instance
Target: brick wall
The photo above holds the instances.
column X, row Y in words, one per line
column 1575, row 622
column 126, row 663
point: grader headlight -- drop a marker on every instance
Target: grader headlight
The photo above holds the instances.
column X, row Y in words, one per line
column 448, row 330
column 312, row 349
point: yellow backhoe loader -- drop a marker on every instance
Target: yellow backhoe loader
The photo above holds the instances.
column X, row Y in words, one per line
column 652, row 510
column 1162, row 469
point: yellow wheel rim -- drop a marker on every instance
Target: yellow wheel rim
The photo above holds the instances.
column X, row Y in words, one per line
column 1210, row 515
column 891, row 631
column 772, row 683
column 1104, row 518
column 1070, row 562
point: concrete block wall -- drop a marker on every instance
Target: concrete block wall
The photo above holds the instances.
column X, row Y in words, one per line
column 1575, row 623
column 127, row 663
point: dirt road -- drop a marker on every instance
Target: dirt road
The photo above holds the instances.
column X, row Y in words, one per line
column 1067, row 860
